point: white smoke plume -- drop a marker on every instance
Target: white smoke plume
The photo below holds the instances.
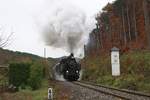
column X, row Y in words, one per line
column 66, row 27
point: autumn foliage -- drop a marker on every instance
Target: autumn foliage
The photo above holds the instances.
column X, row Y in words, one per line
column 124, row 24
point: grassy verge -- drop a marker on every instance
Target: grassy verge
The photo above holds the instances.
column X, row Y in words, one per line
column 59, row 92
column 135, row 71
column 28, row 94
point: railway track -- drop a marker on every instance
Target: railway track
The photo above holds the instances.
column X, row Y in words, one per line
column 118, row 93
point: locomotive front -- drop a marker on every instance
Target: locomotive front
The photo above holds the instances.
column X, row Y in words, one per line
column 72, row 69
column 69, row 68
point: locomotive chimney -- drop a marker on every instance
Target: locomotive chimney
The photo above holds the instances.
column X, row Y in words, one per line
column 71, row 54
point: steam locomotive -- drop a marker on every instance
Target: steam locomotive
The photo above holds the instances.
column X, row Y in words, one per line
column 68, row 68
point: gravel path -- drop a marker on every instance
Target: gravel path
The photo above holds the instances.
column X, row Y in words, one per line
column 80, row 93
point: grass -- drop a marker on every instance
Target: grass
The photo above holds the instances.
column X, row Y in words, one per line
column 135, row 71
column 40, row 94
column 28, row 94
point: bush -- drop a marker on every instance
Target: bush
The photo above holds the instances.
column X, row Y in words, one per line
column 36, row 75
column 129, row 82
column 19, row 73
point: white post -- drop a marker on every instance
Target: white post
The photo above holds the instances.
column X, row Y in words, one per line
column 50, row 94
column 44, row 52
column 115, row 62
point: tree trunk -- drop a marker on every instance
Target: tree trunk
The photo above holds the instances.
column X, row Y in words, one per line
column 101, row 39
column 147, row 21
column 135, row 27
column 124, row 30
column 129, row 27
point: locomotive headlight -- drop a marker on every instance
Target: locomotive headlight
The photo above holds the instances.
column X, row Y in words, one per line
column 67, row 71
column 77, row 71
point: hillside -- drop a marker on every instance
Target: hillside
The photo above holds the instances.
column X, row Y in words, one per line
column 8, row 56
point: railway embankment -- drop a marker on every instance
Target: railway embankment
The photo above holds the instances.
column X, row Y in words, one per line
column 135, row 71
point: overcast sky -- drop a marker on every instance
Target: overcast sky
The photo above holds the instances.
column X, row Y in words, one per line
column 21, row 17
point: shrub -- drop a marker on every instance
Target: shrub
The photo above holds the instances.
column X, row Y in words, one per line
column 19, row 73
column 36, row 75
column 128, row 82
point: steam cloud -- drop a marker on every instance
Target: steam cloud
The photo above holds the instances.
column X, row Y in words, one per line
column 66, row 27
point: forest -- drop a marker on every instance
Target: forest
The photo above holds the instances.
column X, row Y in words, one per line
column 124, row 24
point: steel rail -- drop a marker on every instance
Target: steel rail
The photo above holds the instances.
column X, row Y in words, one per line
column 121, row 90
column 89, row 86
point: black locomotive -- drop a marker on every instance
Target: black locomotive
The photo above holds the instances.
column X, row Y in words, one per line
column 69, row 68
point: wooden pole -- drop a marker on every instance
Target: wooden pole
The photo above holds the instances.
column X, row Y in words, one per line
column 84, row 56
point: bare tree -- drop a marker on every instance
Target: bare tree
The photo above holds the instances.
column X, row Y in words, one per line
column 5, row 40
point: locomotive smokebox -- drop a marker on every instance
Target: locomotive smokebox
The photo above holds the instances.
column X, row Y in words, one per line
column 67, row 68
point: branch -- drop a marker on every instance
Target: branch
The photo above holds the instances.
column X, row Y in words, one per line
column 5, row 42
